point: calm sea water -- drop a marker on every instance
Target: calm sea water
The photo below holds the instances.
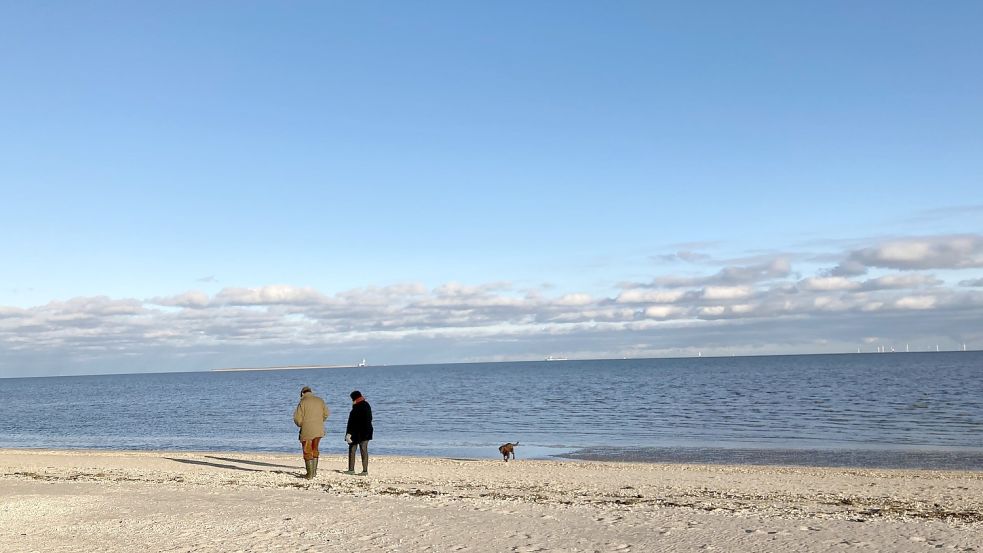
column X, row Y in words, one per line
column 917, row 410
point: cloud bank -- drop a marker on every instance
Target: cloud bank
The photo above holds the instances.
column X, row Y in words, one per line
column 760, row 307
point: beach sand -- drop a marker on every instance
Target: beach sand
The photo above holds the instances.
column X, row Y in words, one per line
column 170, row 501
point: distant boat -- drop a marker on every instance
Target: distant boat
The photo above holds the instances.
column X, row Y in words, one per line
column 361, row 363
column 552, row 358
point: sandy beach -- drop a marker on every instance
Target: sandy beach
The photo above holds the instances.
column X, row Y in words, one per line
column 170, row 501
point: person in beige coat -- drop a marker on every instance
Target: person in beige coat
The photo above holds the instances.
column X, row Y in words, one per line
column 309, row 416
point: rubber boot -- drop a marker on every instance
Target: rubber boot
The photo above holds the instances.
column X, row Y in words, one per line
column 314, row 468
column 310, row 469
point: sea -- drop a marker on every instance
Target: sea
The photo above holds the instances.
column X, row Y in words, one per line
column 891, row 410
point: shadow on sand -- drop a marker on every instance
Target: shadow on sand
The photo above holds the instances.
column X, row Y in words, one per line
column 207, row 464
column 292, row 472
column 256, row 463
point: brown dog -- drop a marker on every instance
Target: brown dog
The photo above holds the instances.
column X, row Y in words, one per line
column 507, row 449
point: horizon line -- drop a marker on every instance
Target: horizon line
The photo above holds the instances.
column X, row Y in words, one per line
column 538, row 360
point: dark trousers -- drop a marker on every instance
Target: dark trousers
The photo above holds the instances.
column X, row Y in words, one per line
column 364, row 447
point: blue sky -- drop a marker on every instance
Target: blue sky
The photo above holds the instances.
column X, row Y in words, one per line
column 524, row 152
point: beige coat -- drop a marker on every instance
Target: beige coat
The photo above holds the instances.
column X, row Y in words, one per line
column 310, row 415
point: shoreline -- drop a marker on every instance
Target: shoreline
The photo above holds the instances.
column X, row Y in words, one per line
column 925, row 458
column 6, row 452
column 217, row 501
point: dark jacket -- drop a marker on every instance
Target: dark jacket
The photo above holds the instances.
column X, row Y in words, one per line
column 360, row 422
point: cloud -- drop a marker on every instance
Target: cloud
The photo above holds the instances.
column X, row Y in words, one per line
column 776, row 268
column 96, row 306
column 972, row 282
column 717, row 293
column 957, row 251
column 752, row 306
column 207, row 279
column 382, row 295
column 193, row 299
column 916, row 302
column 687, row 256
column 575, row 300
column 826, row 284
column 848, row 268
column 900, row 282
column 11, row 312
column 269, row 295
column 663, row 311
column 642, row 295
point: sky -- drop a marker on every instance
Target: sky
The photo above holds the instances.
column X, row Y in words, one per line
column 188, row 186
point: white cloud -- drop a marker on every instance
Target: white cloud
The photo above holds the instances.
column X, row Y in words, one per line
column 277, row 294
column 747, row 304
column 684, row 255
column 662, row 311
column 899, row 282
column 916, row 302
column 848, row 268
column 382, row 295
column 717, row 293
column 642, row 295
column 188, row 299
column 827, row 284
column 594, row 314
column 575, row 300
column 96, row 306
column 775, row 268
column 712, row 310
column 10, row 312
column 456, row 289
column 958, row 251
column 830, row 303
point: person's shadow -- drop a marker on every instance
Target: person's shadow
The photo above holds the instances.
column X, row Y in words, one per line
column 234, row 467
column 207, row 464
column 256, row 463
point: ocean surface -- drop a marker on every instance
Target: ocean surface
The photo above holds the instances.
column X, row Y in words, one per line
column 921, row 410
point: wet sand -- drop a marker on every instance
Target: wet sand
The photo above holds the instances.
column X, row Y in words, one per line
column 171, row 501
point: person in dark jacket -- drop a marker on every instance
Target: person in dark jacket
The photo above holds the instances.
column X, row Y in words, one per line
column 359, row 432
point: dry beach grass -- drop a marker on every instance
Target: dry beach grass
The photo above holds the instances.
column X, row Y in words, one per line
column 170, row 501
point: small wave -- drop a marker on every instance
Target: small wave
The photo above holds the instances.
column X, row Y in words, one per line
column 854, row 458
